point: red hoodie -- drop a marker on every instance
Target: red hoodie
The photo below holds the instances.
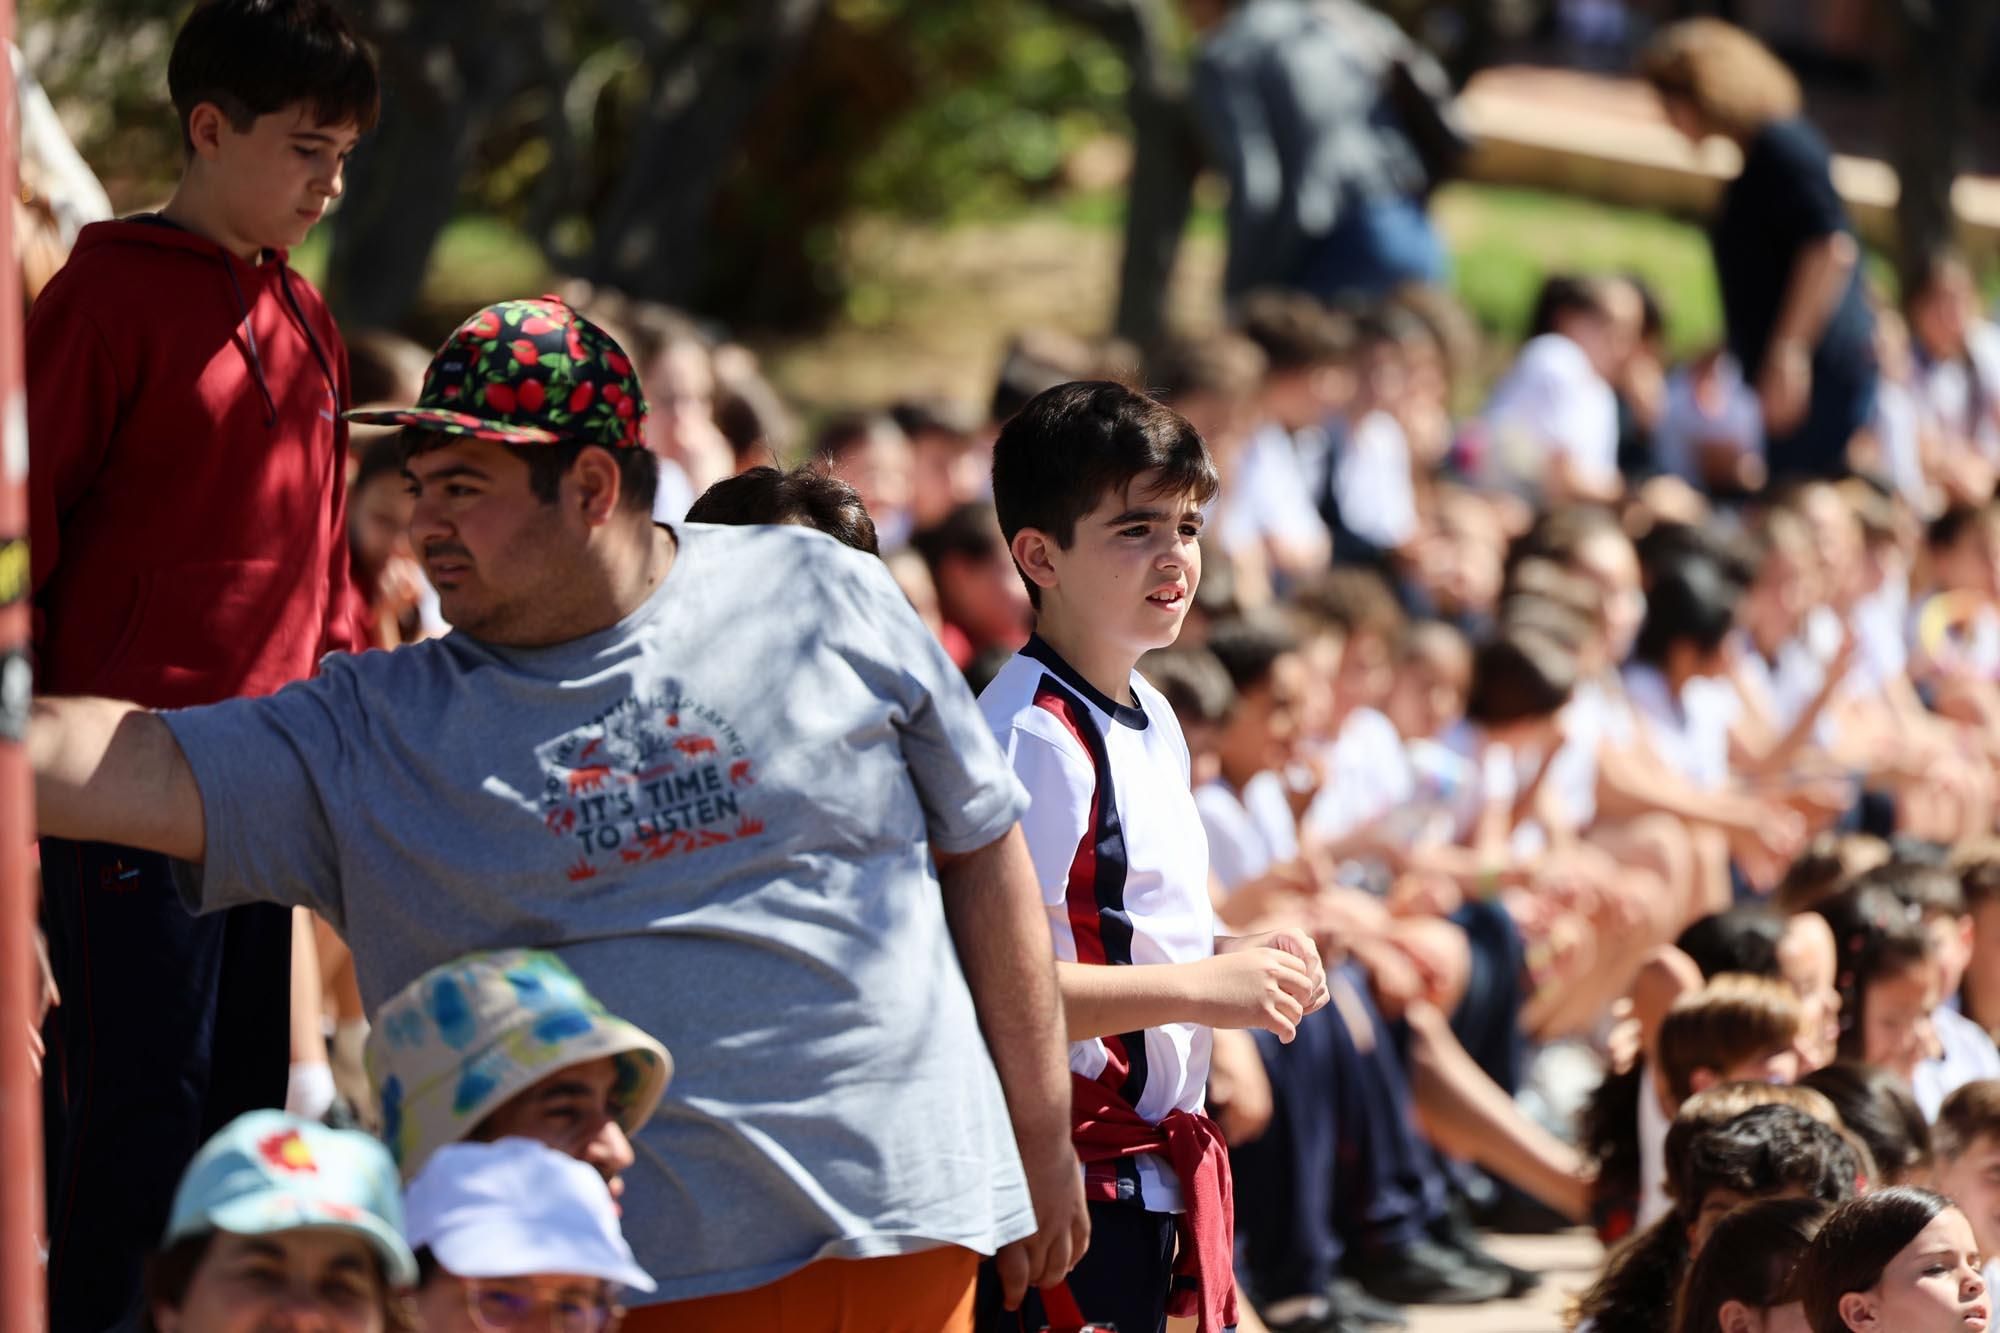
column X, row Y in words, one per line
column 187, row 471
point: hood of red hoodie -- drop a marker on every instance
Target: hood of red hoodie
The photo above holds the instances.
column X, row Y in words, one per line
column 150, row 229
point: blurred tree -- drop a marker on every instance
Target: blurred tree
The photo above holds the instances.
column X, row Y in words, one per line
column 701, row 151
column 1166, row 154
column 694, row 73
column 1930, row 66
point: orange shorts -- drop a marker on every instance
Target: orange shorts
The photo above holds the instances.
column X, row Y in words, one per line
column 930, row 1292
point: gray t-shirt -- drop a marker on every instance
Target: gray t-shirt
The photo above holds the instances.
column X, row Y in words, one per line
column 719, row 812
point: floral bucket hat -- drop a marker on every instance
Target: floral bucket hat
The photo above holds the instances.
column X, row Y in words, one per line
column 456, row 1044
column 527, row 372
column 266, row 1172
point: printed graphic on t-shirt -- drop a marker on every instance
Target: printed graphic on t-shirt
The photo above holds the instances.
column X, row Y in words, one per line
column 648, row 779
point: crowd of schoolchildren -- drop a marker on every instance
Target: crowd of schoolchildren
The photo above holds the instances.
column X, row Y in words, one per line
column 1525, row 811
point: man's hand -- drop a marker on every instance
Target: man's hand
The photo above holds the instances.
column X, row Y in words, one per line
column 1260, row 981
column 1062, row 1224
column 1785, row 387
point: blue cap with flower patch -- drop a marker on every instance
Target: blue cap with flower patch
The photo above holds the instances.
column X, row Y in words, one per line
column 462, row 1040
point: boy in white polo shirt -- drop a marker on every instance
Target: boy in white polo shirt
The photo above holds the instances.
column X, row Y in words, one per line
column 1100, row 493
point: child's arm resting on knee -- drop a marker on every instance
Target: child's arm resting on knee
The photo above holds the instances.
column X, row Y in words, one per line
column 113, row 772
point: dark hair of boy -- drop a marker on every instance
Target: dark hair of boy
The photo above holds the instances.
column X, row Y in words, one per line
column 1749, row 1260
column 1037, row 360
column 1294, row 331
column 752, row 419
column 1691, row 601
column 1564, row 294
column 846, row 430
column 1760, row 1152
column 1652, row 315
column 1931, row 889
column 1561, row 533
column 1219, row 594
column 1541, row 577
column 1518, row 676
column 1764, row 1150
column 1227, row 366
column 1386, row 326
column 1193, row 683
column 1743, row 939
column 1969, row 1114
column 1666, row 545
column 919, row 418
column 1353, row 602
column 1876, row 1106
column 1532, row 613
column 1978, row 866
column 548, row 464
column 1823, row 869
column 383, row 367
column 1249, row 647
column 378, row 452
column 1733, row 1018
column 804, row 496
column 1435, row 643
column 1956, row 523
column 1855, row 1245
column 1077, row 443
column 645, row 329
column 1876, row 934
column 252, row 57
column 968, row 532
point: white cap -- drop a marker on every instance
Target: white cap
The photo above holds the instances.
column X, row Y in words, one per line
column 516, row 1208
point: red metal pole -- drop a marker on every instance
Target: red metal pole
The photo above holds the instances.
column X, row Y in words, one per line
column 21, row 1284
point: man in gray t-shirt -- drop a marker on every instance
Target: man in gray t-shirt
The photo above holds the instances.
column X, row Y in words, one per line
column 710, row 768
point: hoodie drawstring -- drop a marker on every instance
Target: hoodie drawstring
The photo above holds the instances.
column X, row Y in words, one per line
column 250, row 341
column 312, row 339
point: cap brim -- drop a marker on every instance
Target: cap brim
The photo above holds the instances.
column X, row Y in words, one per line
column 267, row 1214
column 448, row 422
column 498, row 1248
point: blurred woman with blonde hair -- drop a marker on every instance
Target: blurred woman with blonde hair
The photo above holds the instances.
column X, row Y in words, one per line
column 1785, row 253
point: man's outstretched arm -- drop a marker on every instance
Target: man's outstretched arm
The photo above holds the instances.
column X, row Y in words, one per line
column 113, row 772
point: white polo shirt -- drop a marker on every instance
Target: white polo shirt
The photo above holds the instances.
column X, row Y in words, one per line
column 1122, row 862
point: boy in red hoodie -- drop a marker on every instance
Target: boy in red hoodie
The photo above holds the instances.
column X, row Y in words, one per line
column 189, row 545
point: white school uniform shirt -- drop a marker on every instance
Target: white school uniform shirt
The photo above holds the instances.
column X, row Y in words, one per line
column 1371, row 478
column 1689, row 732
column 1947, row 393
column 1968, row 1056
column 1367, row 773
column 1122, row 861
column 1881, row 622
column 1899, row 424
column 1552, row 402
column 1248, row 831
column 1270, row 497
column 1653, row 1126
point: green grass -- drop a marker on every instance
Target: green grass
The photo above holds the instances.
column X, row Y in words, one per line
column 477, row 259
column 1505, row 241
